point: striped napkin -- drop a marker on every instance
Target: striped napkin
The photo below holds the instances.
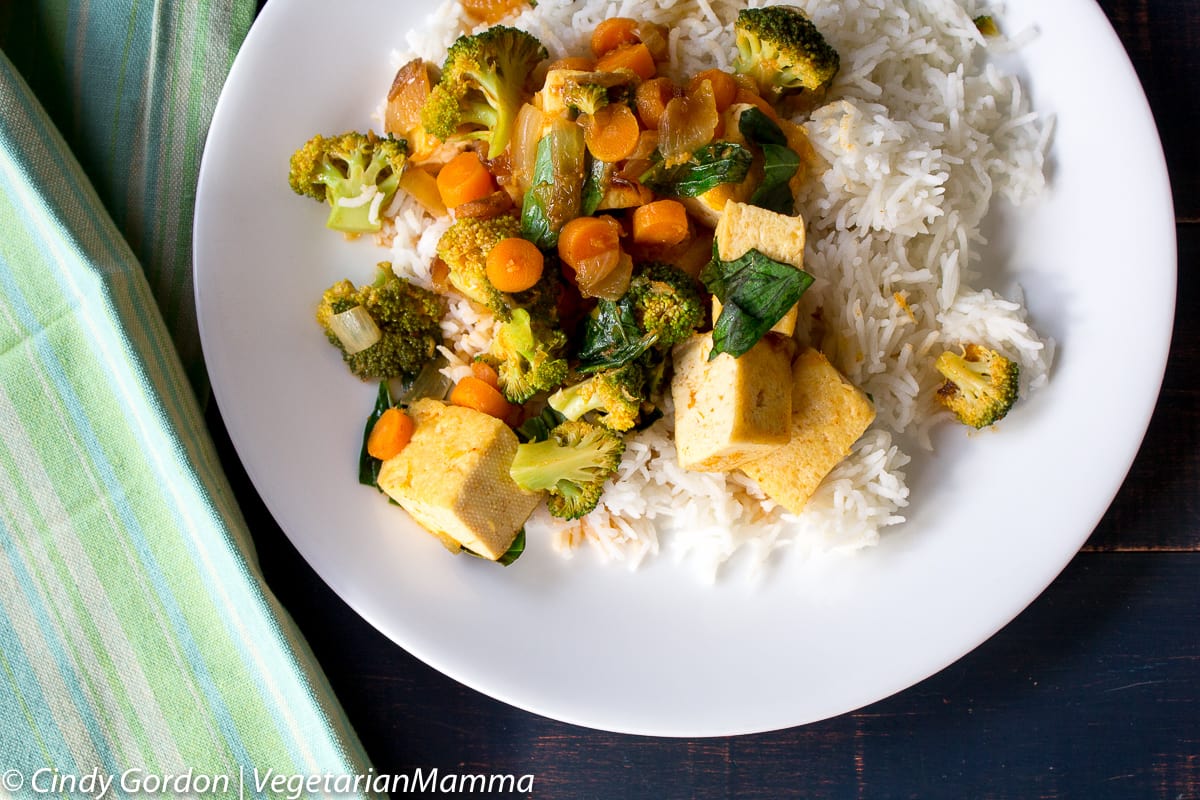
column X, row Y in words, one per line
column 138, row 641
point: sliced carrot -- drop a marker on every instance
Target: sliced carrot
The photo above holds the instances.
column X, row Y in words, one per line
column 486, row 373
column 581, row 63
column 390, row 433
column 514, row 264
column 611, row 134
column 492, row 11
column 724, row 87
column 634, row 57
column 586, row 238
column 652, row 97
column 464, row 178
column 613, row 33
column 663, row 222
column 471, row 392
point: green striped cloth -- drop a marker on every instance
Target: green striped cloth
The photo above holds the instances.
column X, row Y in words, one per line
column 138, row 640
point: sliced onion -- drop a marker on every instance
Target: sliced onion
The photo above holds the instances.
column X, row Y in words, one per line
column 406, row 97
column 355, row 329
column 527, row 131
column 688, row 123
column 654, row 36
column 616, row 283
column 593, row 271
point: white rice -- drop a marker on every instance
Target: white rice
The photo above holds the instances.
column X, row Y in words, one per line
column 920, row 133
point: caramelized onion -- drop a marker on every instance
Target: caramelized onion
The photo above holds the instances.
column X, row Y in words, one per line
column 688, row 123
column 409, row 90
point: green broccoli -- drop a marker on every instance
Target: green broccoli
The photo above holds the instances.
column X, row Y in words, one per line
column 572, row 465
column 587, row 98
column 482, row 87
column 781, row 49
column 464, row 247
column 615, row 395
column 526, row 356
column 386, row 329
column 356, row 173
column 981, row 385
column 665, row 302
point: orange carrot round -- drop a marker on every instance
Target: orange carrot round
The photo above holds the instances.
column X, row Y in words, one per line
column 613, row 33
column 514, row 264
column 612, row 133
column 635, row 57
column 463, row 179
column 471, row 392
column 390, row 433
column 587, row 237
column 491, row 11
column 486, row 373
column 663, row 222
column 652, row 97
column 581, row 63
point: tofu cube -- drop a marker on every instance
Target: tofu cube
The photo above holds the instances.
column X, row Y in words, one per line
column 828, row 415
column 452, row 478
column 744, row 227
column 730, row 410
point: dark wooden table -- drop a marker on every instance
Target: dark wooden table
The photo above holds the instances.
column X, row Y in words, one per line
column 1092, row 692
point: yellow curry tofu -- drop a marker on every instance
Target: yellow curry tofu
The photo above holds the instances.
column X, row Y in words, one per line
column 828, row 415
column 452, row 478
column 729, row 410
column 744, row 227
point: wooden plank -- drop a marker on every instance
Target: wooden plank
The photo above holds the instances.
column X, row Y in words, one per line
column 1158, row 507
column 1163, row 42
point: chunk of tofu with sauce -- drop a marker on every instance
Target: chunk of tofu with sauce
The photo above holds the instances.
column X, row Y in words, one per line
column 829, row 414
column 452, row 478
column 730, row 410
column 744, row 227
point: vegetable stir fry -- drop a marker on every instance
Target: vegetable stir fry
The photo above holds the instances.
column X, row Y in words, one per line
column 626, row 239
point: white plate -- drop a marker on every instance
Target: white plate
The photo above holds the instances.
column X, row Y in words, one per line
column 657, row 651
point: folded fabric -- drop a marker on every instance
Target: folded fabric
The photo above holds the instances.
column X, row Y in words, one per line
column 131, row 86
column 137, row 637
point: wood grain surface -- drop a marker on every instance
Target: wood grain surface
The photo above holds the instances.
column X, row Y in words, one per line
column 1092, row 692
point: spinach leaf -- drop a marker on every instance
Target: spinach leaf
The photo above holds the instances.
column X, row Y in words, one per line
column 368, row 465
column 779, row 161
column 708, row 167
column 612, row 337
column 537, row 429
column 755, row 292
column 595, row 183
column 760, row 129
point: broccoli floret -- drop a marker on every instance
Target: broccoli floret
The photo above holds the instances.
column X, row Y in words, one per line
column 526, row 356
column 404, row 320
column 665, row 302
column 615, row 395
column 482, row 86
column 587, row 98
column 356, row 173
column 572, row 465
column 782, row 50
column 980, row 387
column 464, row 247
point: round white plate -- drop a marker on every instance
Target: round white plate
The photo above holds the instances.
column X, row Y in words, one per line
column 658, row 651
